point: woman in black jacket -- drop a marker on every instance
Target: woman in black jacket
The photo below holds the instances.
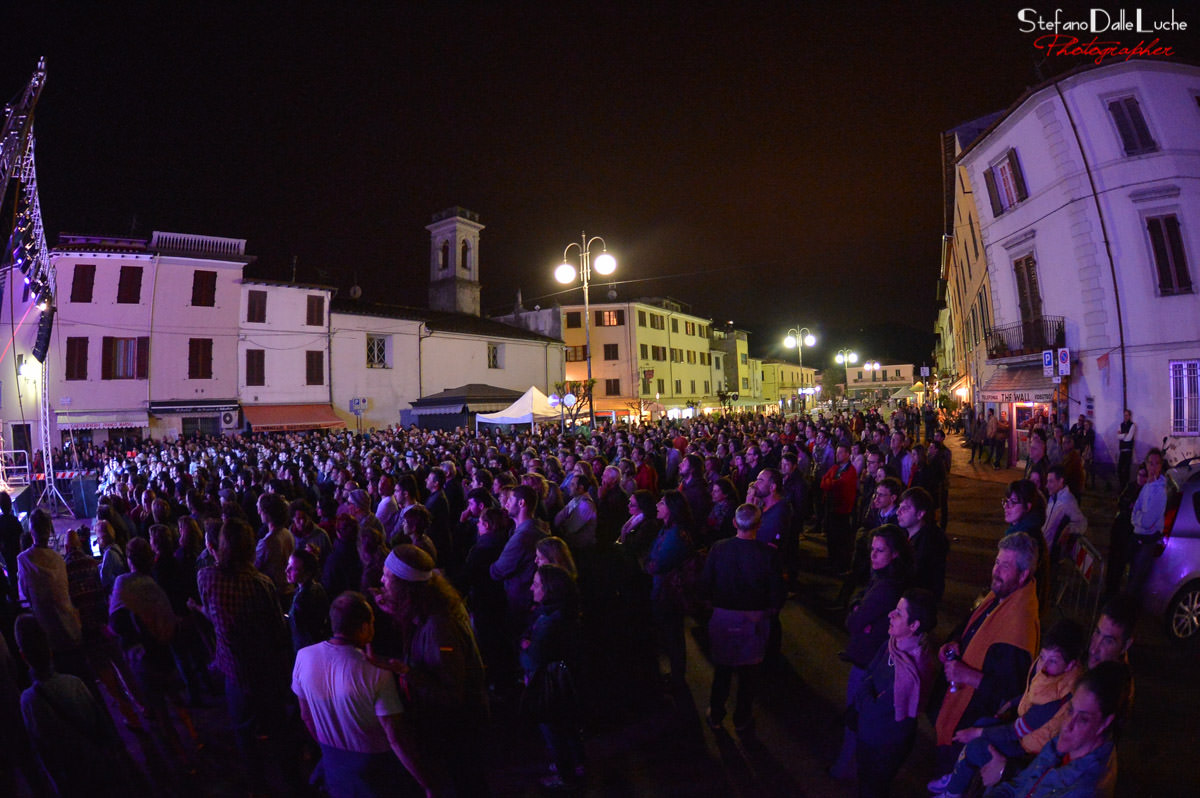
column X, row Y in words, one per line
column 551, row 642
column 867, row 622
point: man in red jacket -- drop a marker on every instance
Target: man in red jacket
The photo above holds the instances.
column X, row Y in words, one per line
column 840, row 486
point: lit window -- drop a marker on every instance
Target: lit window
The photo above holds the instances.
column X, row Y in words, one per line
column 1185, row 397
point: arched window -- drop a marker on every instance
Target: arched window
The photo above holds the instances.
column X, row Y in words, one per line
column 465, row 259
column 444, row 256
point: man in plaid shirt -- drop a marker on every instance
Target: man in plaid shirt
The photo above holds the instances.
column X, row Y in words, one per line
column 253, row 642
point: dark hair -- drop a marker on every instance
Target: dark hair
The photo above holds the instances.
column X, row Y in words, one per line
column 678, row 512
column 34, row 644
column 302, row 506
column 644, row 500
column 481, row 495
column 408, row 484
column 920, row 500
column 892, row 484
column 558, row 586
column 1027, row 494
column 922, row 607
column 439, row 476
column 1067, row 637
column 236, row 547
column 1122, row 609
column 526, row 495
column 496, row 518
column 349, row 612
column 775, row 478
column 140, row 555
column 1111, row 683
column 727, row 488
column 1057, row 470
column 274, row 508
column 308, row 562
column 897, row 540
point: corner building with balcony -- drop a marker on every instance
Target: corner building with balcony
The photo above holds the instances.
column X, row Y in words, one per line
column 1091, row 229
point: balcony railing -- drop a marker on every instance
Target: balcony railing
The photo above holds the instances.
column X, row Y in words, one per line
column 1026, row 337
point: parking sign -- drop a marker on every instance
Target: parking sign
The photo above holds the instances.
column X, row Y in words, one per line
column 1047, row 362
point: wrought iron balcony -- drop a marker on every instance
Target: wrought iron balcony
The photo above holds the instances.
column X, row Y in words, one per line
column 1024, row 338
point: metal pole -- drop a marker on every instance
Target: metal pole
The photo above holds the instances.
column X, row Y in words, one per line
column 586, row 271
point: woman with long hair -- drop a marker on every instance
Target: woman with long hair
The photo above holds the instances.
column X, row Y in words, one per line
column 443, row 673
column 670, row 551
column 549, row 646
column 640, row 531
column 719, row 524
column 554, row 551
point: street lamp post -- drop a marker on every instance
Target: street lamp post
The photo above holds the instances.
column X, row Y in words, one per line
column 800, row 338
column 845, row 357
column 565, row 273
column 872, row 365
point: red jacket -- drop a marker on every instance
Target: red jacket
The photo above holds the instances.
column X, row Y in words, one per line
column 841, row 488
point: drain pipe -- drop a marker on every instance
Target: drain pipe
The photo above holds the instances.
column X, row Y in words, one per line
column 1112, row 267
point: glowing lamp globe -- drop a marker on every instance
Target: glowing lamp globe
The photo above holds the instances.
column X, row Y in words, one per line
column 565, row 273
column 605, row 263
column 790, row 341
column 810, row 340
column 569, row 400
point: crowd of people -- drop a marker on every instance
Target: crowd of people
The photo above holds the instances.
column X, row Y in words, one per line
column 363, row 603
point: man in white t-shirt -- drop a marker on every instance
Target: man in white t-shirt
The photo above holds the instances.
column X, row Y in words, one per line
column 353, row 709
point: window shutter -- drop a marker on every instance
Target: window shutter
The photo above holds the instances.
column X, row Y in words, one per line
column 1018, row 178
column 143, row 357
column 993, row 194
column 1162, row 260
column 1128, row 138
column 1183, row 280
column 106, row 358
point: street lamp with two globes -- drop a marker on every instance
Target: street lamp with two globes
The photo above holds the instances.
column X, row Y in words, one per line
column 566, row 273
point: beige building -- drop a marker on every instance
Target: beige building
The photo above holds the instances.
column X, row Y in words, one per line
column 787, row 387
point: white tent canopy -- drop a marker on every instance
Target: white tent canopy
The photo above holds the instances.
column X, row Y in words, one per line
column 903, row 393
column 532, row 406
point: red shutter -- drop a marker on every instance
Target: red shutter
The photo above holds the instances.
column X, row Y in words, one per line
column 143, row 357
column 106, row 357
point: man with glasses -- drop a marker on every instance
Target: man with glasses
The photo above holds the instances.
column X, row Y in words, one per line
column 883, row 503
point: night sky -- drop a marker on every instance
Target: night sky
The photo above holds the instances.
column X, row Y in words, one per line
column 773, row 166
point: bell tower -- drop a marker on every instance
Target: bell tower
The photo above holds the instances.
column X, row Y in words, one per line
column 454, row 261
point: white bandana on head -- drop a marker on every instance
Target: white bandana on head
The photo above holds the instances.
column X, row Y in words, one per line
column 404, row 571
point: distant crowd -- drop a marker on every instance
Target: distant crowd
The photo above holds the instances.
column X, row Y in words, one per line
column 368, row 606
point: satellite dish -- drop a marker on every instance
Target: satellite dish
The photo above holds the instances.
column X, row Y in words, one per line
column 355, row 292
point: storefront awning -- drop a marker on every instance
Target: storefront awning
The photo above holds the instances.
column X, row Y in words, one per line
column 1018, row 384
column 438, row 410
column 290, row 418
column 110, row 419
